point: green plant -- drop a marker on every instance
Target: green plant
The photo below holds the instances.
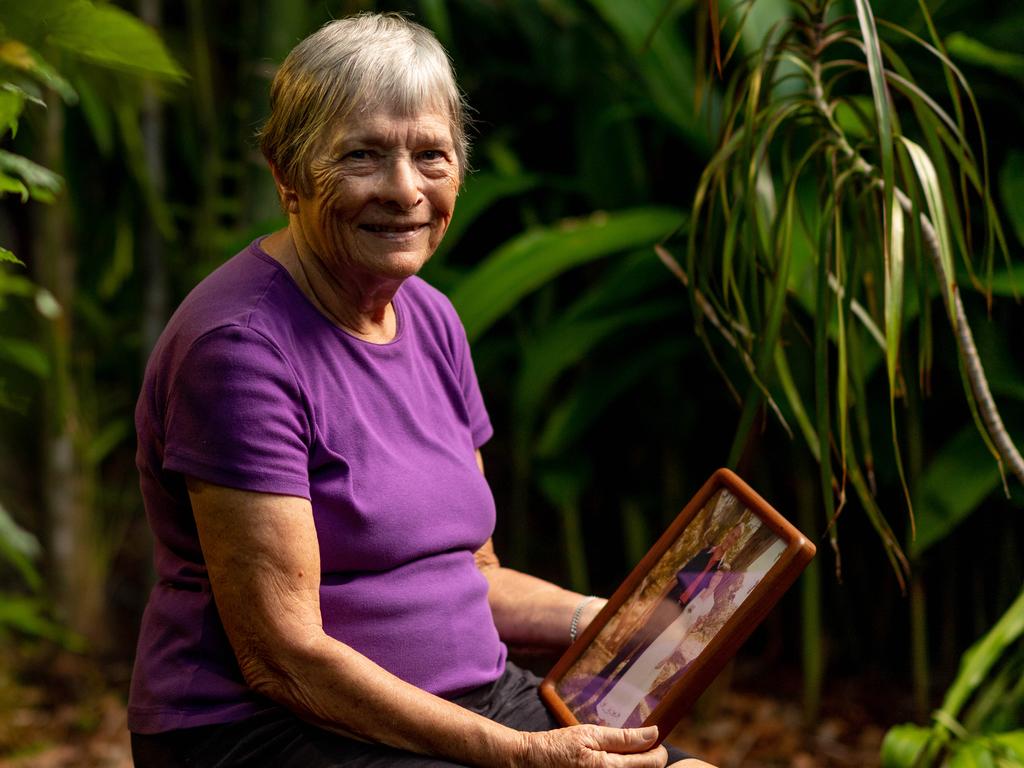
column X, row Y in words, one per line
column 55, row 54
column 844, row 197
column 827, row 214
column 979, row 722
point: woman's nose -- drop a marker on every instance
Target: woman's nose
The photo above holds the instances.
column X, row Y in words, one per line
column 400, row 187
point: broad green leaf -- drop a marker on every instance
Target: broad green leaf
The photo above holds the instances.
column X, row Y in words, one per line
column 980, row 657
column 1003, row 368
column 959, row 477
column 51, row 78
column 971, row 754
column 480, row 191
column 12, row 102
column 974, row 51
column 42, row 184
column 902, row 745
column 112, row 38
column 664, row 62
column 1008, row 283
column 568, row 341
column 11, row 185
column 586, row 402
column 936, row 214
column 25, row 355
column 530, row 260
column 1011, row 190
column 108, row 438
column 1011, row 743
column 9, row 257
column 97, row 115
column 28, row 616
column 16, row 285
column 850, row 115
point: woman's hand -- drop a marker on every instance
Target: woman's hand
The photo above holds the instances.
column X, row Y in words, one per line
column 592, row 746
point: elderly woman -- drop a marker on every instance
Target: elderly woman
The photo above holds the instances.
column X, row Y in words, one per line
column 309, row 433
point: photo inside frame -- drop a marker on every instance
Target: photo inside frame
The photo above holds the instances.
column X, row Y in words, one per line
column 670, row 618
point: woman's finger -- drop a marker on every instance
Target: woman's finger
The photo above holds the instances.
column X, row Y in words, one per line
column 624, row 740
column 654, row 758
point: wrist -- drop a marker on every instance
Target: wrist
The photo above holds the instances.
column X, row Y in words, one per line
column 577, row 616
column 515, row 745
column 590, row 612
column 585, row 612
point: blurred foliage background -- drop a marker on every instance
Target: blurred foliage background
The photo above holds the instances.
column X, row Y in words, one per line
column 594, row 122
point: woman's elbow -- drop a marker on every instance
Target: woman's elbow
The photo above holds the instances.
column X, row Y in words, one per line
column 277, row 670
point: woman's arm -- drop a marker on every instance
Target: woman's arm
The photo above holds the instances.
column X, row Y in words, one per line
column 529, row 611
column 263, row 561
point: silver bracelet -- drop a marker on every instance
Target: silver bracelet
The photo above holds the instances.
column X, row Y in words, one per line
column 574, row 625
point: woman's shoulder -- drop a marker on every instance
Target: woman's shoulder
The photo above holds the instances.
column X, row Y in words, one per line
column 246, row 299
column 244, row 292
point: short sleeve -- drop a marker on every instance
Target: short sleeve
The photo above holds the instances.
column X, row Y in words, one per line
column 235, row 416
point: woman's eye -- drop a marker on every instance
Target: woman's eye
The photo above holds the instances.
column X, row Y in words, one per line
column 358, row 154
column 432, row 155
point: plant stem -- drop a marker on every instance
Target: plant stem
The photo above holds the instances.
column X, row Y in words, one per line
column 968, row 350
column 954, row 306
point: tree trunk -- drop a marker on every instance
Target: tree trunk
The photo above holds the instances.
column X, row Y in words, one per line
column 277, row 25
column 76, row 573
column 154, row 270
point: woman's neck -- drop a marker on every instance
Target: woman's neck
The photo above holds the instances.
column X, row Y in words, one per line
column 363, row 309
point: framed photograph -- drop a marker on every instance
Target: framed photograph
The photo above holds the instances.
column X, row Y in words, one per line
column 682, row 613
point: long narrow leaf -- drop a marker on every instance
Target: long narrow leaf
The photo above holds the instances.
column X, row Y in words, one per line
column 937, row 215
column 894, row 297
column 880, row 95
column 979, row 659
column 525, row 263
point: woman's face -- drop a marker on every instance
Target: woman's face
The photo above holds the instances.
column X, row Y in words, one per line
column 384, row 191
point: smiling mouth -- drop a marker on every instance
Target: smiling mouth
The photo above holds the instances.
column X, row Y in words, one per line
column 391, row 228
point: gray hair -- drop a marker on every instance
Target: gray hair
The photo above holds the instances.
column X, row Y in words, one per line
column 358, row 63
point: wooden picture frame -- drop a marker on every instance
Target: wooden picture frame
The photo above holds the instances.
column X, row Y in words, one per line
column 682, row 613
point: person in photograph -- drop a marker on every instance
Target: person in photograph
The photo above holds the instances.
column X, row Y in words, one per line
column 669, row 607
column 633, row 686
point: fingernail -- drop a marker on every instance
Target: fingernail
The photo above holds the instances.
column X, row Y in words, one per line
column 650, row 732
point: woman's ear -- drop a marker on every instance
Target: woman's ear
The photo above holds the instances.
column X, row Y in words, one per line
column 289, row 197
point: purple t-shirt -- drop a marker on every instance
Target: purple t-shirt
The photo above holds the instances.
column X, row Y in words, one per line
column 251, row 387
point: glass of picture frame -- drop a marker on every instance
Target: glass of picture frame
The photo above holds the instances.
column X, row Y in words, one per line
column 682, row 613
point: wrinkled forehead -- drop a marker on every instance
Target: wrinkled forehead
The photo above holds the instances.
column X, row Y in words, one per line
column 387, row 126
column 378, row 107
